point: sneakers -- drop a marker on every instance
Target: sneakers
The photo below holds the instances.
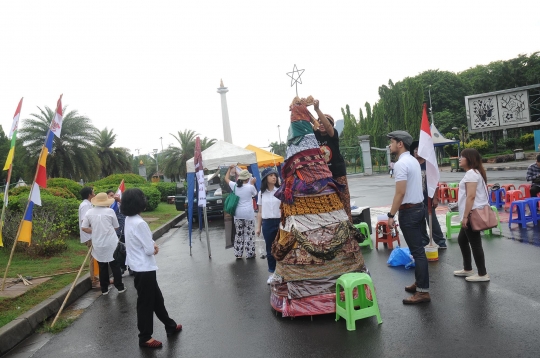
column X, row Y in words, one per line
column 477, row 278
column 122, row 290
column 463, row 273
column 106, row 292
column 270, row 279
column 418, row 297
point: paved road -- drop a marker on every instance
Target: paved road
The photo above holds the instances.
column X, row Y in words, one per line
column 224, row 305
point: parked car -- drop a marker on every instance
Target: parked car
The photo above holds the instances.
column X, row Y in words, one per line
column 214, row 201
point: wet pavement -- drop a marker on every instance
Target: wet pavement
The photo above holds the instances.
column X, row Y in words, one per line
column 224, row 305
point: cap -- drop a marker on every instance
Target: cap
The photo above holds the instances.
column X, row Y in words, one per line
column 244, row 174
column 402, row 136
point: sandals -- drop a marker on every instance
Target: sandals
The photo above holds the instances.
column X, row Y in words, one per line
column 154, row 344
column 176, row 330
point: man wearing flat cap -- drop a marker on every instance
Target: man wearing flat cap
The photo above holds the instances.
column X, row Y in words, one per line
column 409, row 201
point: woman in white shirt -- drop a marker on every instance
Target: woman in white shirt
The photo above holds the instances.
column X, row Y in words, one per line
column 140, row 251
column 269, row 214
column 244, row 217
column 101, row 222
column 472, row 194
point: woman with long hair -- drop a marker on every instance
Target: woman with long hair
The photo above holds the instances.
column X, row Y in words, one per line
column 472, row 194
column 269, row 215
column 244, row 217
column 141, row 250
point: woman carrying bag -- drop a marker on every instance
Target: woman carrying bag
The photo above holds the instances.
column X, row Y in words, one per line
column 244, row 216
column 472, row 195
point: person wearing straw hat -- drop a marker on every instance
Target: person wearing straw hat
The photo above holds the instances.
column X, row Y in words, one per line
column 244, row 217
column 409, row 200
column 101, row 222
column 269, row 214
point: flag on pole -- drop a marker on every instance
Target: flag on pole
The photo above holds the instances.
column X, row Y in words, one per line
column 426, row 150
column 9, row 162
column 199, row 172
column 121, row 189
column 56, row 125
column 25, row 234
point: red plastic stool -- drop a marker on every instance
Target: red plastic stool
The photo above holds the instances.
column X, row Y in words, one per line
column 526, row 190
column 512, row 195
column 384, row 235
column 453, row 195
column 508, row 187
column 444, row 194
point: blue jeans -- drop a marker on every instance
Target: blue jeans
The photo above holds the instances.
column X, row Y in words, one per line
column 270, row 228
column 411, row 222
column 438, row 236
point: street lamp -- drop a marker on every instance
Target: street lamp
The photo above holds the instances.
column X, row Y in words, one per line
column 157, row 167
column 161, row 138
column 279, row 133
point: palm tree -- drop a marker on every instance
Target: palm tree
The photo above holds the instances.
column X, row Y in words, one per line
column 175, row 157
column 113, row 160
column 73, row 154
column 278, row 148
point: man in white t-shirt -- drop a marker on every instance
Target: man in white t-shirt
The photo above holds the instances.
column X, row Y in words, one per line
column 409, row 201
column 87, row 194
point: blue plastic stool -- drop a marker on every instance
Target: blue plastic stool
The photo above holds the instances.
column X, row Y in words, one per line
column 499, row 197
column 450, row 227
column 364, row 229
column 522, row 219
column 533, row 205
column 489, row 231
column 346, row 309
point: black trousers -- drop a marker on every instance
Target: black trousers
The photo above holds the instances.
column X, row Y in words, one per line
column 104, row 275
column 470, row 240
column 150, row 300
column 535, row 189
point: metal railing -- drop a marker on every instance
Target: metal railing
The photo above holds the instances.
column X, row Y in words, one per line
column 353, row 159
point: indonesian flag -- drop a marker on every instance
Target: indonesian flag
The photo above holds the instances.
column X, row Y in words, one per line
column 199, row 172
column 56, row 125
column 121, row 189
column 13, row 136
column 426, row 150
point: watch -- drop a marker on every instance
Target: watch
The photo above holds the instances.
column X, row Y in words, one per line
column 390, row 215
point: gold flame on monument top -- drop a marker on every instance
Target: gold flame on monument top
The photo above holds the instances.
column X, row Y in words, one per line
column 221, row 83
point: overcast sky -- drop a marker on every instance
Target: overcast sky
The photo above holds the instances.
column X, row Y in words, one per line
column 150, row 68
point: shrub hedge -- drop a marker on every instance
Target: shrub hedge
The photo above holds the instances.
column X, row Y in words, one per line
column 115, row 179
column 67, row 184
column 166, row 189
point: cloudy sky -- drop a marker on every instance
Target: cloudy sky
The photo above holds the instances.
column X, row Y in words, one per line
column 151, row 68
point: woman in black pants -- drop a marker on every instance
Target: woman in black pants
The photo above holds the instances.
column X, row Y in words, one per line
column 140, row 249
column 472, row 194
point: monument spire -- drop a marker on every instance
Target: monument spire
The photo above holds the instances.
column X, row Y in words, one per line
column 227, row 137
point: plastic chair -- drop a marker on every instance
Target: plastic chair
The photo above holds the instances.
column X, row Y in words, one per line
column 364, row 229
column 511, row 196
column 451, row 228
column 453, row 195
column 508, row 187
column 367, row 307
column 521, row 218
column 444, row 194
column 526, row 190
column 496, row 197
column 533, row 204
column 384, row 236
column 489, row 231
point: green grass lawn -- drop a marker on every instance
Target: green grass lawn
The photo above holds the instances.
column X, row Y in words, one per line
column 164, row 213
column 69, row 260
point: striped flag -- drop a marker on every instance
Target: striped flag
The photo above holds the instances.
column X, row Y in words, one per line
column 56, row 125
column 9, row 164
column 121, row 189
column 426, row 150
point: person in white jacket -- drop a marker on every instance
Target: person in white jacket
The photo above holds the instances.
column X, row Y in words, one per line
column 140, row 252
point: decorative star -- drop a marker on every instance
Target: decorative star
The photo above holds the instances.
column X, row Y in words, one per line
column 295, row 77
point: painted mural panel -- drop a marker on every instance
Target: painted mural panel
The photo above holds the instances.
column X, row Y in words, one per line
column 513, row 108
column 484, row 112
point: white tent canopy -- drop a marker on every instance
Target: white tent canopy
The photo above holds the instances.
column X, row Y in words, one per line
column 223, row 153
column 438, row 139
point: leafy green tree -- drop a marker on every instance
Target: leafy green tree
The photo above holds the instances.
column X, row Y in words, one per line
column 279, row 148
column 113, row 160
column 73, row 155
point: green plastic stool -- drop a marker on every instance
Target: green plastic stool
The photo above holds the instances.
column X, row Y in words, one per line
column 364, row 229
column 451, row 228
column 489, row 231
column 346, row 309
column 453, row 185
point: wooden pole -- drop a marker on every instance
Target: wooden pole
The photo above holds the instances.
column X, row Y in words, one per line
column 72, row 286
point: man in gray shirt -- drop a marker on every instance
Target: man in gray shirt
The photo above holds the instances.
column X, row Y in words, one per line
column 409, row 201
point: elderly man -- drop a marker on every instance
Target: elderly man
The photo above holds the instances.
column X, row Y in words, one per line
column 409, row 201
column 533, row 175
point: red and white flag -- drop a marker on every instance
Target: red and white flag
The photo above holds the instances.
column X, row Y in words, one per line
column 56, row 125
column 199, row 173
column 121, row 189
column 426, row 150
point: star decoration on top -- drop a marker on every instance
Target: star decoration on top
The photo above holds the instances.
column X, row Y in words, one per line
column 295, row 77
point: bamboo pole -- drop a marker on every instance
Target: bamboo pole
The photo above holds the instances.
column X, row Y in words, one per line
column 72, row 286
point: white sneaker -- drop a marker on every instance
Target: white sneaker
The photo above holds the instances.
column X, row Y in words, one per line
column 106, row 293
column 464, row 273
column 123, row 290
column 270, row 279
column 476, row 278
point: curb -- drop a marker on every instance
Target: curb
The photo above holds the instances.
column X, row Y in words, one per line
column 23, row 326
column 507, row 168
